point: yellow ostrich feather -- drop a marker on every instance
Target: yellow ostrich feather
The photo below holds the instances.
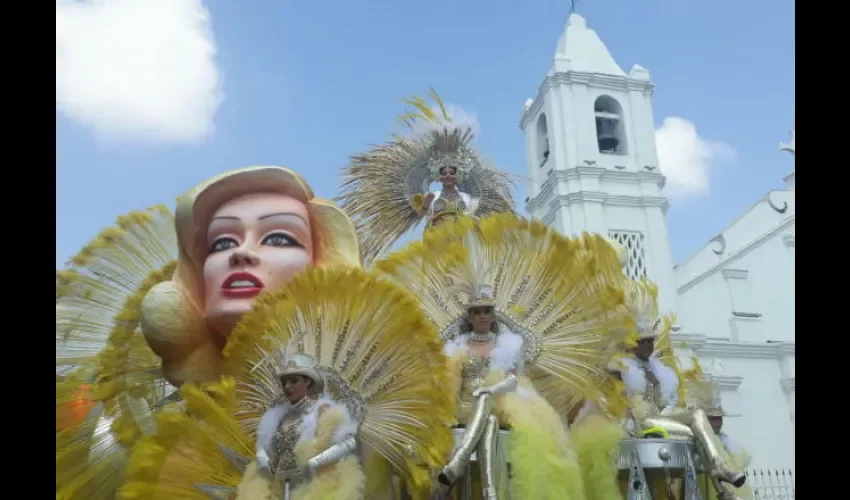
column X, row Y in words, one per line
column 97, row 339
column 564, row 294
column 422, row 111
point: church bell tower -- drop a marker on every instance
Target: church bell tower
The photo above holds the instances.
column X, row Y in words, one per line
column 590, row 149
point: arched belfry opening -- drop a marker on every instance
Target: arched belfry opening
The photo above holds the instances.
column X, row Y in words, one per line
column 542, row 140
column 610, row 126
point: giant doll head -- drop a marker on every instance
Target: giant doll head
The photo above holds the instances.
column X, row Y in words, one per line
column 239, row 234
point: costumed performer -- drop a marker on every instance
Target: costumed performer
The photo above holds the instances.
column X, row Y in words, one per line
column 702, row 393
column 149, row 304
column 336, row 362
column 656, row 391
column 386, row 190
column 524, row 319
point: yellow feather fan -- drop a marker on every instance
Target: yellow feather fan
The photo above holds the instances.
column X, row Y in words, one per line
column 380, row 186
column 562, row 295
column 377, row 354
column 187, row 448
column 98, row 344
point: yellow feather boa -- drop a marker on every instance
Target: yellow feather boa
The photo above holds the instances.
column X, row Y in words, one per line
column 543, row 462
column 343, row 480
column 597, row 441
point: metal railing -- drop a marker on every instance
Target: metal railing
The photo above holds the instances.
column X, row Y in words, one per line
column 771, row 484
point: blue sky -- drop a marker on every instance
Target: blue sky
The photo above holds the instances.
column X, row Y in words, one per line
column 309, row 83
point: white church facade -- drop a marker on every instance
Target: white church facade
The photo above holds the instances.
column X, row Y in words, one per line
column 591, row 155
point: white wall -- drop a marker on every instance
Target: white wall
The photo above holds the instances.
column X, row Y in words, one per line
column 756, row 382
column 747, row 293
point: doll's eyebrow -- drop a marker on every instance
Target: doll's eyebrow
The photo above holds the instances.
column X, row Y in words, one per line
column 282, row 214
column 262, row 217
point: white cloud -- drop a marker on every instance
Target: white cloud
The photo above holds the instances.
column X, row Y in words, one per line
column 137, row 70
column 686, row 158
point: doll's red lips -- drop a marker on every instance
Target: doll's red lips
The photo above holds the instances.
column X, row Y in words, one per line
column 242, row 285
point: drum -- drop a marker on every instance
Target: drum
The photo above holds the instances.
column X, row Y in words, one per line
column 469, row 486
column 660, row 469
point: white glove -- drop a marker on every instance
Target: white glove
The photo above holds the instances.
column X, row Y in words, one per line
column 308, row 470
column 480, row 391
column 264, row 463
column 506, row 385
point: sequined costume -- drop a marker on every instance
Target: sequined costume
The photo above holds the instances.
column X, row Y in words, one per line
column 387, row 189
column 537, row 361
column 450, row 205
column 473, row 375
column 282, row 447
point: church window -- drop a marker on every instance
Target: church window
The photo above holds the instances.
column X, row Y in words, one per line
column 633, row 241
column 610, row 129
column 740, row 293
column 542, row 140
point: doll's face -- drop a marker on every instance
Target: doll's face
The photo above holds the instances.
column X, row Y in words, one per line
column 255, row 242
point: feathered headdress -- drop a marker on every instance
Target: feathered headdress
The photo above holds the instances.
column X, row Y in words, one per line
column 383, row 187
column 559, row 294
column 449, row 131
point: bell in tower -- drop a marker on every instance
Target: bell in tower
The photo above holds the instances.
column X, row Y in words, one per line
column 606, row 135
column 610, row 133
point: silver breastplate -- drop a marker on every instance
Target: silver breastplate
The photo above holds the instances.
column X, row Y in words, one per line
column 449, row 202
column 286, row 437
column 652, row 394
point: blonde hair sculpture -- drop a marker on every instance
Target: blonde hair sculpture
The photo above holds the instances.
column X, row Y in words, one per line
column 172, row 319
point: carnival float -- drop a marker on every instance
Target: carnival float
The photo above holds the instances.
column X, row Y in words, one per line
column 262, row 343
